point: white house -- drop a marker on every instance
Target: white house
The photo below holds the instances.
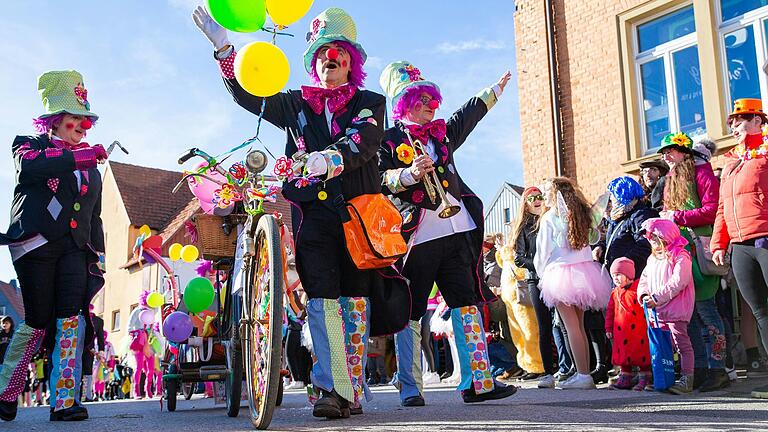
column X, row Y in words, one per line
column 503, row 208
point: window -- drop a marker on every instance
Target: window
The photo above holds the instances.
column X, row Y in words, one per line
column 744, row 39
column 507, row 216
column 116, row 320
column 669, row 77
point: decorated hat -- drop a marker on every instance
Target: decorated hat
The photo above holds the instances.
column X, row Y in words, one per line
column 658, row 164
column 333, row 24
column 64, row 92
column 679, row 140
column 399, row 76
column 748, row 106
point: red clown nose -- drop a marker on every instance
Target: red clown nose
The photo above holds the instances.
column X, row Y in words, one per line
column 433, row 104
column 332, row 54
column 86, row 124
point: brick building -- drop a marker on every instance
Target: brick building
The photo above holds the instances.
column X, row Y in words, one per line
column 626, row 72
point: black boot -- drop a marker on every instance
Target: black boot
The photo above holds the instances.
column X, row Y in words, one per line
column 331, row 405
column 8, row 410
column 716, row 380
column 600, row 374
column 75, row 413
column 699, row 376
column 500, row 391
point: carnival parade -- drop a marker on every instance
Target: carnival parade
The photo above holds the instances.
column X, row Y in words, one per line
column 317, row 246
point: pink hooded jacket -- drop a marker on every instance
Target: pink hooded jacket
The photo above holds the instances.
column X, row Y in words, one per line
column 708, row 188
column 670, row 280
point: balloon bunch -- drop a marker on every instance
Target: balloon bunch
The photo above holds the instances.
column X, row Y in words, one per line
column 261, row 68
column 188, row 253
column 198, row 296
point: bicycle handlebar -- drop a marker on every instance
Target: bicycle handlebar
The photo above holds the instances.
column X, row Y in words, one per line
column 189, row 154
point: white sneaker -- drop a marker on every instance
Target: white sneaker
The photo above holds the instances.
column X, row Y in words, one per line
column 547, row 381
column 295, row 385
column 430, row 378
column 579, row 382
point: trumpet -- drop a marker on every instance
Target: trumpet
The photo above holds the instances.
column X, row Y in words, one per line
column 433, row 187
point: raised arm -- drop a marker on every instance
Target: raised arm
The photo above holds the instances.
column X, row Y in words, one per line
column 463, row 121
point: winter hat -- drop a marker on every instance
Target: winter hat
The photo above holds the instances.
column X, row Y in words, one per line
column 624, row 266
column 530, row 191
column 333, row 24
column 704, row 149
column 397, row 77
column 64, row 92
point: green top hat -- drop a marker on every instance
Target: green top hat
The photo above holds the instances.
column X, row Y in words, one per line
column 333, row 24
column 64, row 92
column 678, row 140
column 397, row 77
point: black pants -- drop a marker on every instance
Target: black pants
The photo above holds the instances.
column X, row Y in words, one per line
column 298, row 358
column 544, row 320
column 54, row 279
column 446, row 261
column 750, row 268
column 426, row 341
column 322, row 260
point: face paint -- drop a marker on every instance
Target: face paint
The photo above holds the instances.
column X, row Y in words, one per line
column 332, row 53
column 86, row 124
column 69, row 125
column 343, row 63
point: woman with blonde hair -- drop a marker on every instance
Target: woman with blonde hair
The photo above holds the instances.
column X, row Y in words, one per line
column 570, row 280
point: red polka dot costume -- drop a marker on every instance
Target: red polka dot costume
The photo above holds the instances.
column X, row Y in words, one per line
column 625, row 320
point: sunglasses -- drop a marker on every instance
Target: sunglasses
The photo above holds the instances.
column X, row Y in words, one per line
column 425, row 100
column 537, row 197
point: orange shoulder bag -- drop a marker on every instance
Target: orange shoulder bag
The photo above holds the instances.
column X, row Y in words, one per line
column 373, row 232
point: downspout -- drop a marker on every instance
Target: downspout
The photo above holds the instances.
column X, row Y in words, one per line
column 553, row 87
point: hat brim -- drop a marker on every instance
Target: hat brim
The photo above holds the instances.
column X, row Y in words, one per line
column 675, row 146
column 85, row 113
column 314, row 46
column 396, row 98
column 762, row 115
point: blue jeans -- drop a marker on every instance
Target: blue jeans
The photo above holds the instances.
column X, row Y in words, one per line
column 564, row 361
column 707, row 333
column 500, row 358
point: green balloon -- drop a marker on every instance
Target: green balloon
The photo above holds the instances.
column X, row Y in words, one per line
column 245, row 16
column 198, row 295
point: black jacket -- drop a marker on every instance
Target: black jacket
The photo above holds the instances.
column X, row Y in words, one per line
column 47, row 200
column 626, row 238
column 492, row 269
column 525, row 246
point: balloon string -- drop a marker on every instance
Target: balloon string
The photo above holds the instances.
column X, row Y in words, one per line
column 274, row 32
column 249, row 141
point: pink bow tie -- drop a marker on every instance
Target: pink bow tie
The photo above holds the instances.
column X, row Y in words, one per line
column 337, row 98
column 434, row 129
column 65, row 145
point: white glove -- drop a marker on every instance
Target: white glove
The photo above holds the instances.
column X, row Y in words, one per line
column 316, row 164
column 210, row 28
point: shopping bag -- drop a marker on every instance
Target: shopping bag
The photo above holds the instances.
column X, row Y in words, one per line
column 662, row 352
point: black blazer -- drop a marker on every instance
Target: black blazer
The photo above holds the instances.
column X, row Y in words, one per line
column 47, row 199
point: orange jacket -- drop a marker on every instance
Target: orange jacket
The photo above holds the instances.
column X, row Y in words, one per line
column 742, row 213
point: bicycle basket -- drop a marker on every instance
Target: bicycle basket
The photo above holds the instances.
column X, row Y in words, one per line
column 214, row 242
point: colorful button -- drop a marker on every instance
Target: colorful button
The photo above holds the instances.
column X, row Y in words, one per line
column 445, row 184
column 76, row 206
column 440, row 170
column 322, row 195
column 83, row 189
column 73, row 224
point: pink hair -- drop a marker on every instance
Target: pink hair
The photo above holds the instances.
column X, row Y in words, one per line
column 43, row 125
column 143, row 298
column 411, row 97
column 668, row 232
column 356, row 73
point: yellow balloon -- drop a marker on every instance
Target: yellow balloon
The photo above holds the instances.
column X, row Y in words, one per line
column 262, row 69
column 287, row 12
column 189, row 253
column 174, row 252
column 155, row 300
column 145, row 230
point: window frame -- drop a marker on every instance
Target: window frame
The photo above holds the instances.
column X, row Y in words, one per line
column 116, row 322
column 757, row 19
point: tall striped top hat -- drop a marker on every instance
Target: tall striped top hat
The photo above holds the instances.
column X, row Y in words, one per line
column 64, row 92
column 333, row 24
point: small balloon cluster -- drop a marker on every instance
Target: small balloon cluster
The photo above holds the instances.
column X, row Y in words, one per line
column 261, row 68
column 198, row 296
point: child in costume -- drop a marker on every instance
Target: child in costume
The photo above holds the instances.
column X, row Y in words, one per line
column 667, row 286
column 569, row 279
column 625, row 326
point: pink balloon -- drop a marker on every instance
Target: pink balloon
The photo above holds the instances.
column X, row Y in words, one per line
column 203, row 189
column 147, row 317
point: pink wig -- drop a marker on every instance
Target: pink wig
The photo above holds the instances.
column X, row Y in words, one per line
column 356, row 74
column 43, row 125
column 411, row 98
column 668, row 232
column 143, row 298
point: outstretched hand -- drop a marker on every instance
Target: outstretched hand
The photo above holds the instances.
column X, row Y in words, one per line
column 504, row 80
column 210, row 28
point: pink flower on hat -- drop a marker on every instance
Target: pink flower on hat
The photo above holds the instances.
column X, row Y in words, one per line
column 317, row 24
column 82, row 95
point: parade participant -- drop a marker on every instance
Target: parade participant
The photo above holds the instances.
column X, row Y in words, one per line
column 417, row 150
column 339, row 126
column 652, row 174
column 570, row 280
column 742, row 218
column 691, row 195
column 666, row 285
column 55, row 238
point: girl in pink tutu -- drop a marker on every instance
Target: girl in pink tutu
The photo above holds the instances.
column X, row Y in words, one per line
column 569, row 279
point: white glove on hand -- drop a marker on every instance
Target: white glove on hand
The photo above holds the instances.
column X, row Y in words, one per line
column 316, row 164
column 210, row 28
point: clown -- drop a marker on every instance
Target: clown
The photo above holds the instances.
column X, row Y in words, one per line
column 442, row 250
column 334, row 130
column 55, row 239
column 143, row 345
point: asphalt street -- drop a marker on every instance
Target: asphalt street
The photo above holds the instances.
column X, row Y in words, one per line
column 530, row 409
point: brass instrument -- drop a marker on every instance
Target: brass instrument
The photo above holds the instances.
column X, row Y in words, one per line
column 433, row 187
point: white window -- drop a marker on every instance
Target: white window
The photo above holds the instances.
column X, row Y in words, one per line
column 507, row 216
column 669, row 78
column 116, row 320
column 744, row 41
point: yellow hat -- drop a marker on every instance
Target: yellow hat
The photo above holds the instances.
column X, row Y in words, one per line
column 748, row 106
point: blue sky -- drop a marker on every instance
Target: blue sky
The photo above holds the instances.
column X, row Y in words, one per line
column 151, row 77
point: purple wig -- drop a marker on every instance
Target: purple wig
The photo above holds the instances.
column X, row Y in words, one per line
column 411, row 97
column 143, row 298
column 43, row 125
column 356, row 73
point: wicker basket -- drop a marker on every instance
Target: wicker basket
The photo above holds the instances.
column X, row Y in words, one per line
column 214, row 242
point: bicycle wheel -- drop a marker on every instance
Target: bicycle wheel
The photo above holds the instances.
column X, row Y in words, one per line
column 188, row 389
column 234, row 381
column 172, row 386
column 264, row 314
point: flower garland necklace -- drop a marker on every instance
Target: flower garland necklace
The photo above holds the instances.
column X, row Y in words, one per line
column 748, row 154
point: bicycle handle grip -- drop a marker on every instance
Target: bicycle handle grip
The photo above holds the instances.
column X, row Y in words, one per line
column 188, row 155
